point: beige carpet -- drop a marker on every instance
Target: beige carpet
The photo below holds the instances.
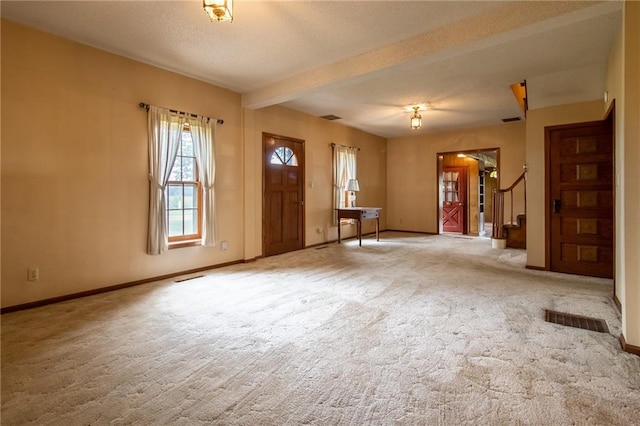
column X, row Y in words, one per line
column 413, row 329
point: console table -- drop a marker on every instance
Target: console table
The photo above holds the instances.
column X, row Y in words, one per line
column 360, row 214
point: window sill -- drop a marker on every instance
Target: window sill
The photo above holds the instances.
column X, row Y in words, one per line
column 186, row 243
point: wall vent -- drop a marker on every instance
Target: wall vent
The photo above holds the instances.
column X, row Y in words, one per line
column 331, row 117
column 510, row 119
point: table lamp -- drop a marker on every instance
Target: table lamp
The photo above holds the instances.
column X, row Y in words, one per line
column 352, row 187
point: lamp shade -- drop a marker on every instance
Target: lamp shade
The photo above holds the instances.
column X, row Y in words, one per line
column 353, row 185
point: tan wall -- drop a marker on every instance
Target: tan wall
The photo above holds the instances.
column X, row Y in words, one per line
column 630, row 206
column 412, row 170
column 537, row 120
column 74, row 166
column 318, row 135
column 623, row 85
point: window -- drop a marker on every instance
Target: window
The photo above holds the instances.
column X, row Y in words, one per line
column 344, row 169
column 284, row 156
column 451, row 187
column 182, row 177
column 184, row 194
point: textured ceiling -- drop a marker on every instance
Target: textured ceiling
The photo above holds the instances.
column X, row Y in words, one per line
column 364, row 61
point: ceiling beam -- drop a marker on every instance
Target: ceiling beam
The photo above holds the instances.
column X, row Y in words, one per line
column 508, row 22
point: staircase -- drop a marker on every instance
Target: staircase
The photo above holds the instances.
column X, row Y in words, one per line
column 517, row 232
column 512, row 234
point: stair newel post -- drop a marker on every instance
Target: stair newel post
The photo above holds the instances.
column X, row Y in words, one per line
column 498, row 240
column 511, row 199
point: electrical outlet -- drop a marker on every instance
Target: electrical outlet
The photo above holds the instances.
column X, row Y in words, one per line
column 224, row 245
column 33, row 274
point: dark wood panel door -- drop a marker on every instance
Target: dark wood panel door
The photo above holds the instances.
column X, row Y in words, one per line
column 283, row 205
column 454, row 199
column 580, row 198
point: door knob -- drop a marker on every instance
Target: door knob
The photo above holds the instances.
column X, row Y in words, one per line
column 556, row 206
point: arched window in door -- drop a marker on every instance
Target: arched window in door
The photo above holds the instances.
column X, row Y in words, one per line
column 284, row 156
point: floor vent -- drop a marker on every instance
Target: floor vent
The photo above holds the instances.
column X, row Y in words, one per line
column 190, row 278
column 577, row 321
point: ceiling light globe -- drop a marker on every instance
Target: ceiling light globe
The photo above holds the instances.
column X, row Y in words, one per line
column 219, row 10
column 416, row 119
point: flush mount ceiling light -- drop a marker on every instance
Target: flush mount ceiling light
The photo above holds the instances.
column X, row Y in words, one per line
column 219, row 10
column 416, row 119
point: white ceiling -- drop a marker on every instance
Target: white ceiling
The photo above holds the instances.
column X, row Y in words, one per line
column 364, row 61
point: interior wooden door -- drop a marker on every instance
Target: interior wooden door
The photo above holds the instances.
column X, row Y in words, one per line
column 580, row 198
column 454, row 199
column 283, row 201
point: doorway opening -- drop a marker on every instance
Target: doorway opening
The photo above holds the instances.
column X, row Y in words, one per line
column 466, row 180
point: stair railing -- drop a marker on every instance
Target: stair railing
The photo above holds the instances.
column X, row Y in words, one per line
column 498, row 206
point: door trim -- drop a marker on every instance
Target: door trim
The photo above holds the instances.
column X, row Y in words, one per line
column 440, row 169
column 611, row 117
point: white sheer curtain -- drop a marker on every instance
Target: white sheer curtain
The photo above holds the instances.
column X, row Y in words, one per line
column 344, row 168
column 165, row 130
column 203, row 132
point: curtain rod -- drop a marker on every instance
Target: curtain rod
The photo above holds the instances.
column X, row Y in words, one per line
column 352, row 147
column 146, row 106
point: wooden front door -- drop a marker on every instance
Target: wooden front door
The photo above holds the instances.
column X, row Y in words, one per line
column 580, row 198
column 283, row 205
column 454, row 193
